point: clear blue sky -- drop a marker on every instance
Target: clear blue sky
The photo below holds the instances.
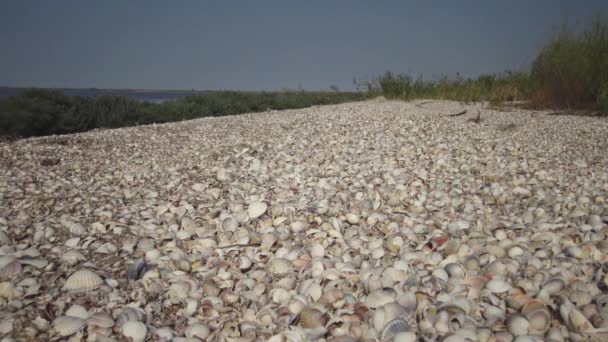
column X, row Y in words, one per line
column 251, row 45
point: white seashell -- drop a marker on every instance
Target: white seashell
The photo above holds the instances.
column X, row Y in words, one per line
column 82, row 281
column 256, row 209
column 380, row 297
column 78, row 229
column 278, row 266
column 352, row 218
column 498, row 286
column 230, row 224
column 72, row 257
column 394, row 328
column 164, row 334
column 68, row 325
column 317, row 250
column 244, row 263
column 77, row 311
column 9, row 291
column 517, row 325
column 129, row 315
column 107, row 248
column 197, row 330
column 9, row 267
column 137, row 331
column 101, row 319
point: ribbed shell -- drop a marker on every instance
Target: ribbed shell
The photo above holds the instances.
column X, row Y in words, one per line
column 82, row 281
column 393, row 328
column 68, row 325
column 101, row 319
column 77, row 311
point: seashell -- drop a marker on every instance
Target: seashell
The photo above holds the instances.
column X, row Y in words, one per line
column 77, row 311
column 312, row 318
column 129, row 315
column 601, row 302
column 164, row 334
column 72, row 257
column 317, row 250
column 9, row 267
column 394, row 242
column 244, row 263
column 68, row 325
column 405, row 336
column 107, row 248
column 256, row 209
column 78, row 229
column 380, row 297
column 101, row 319
column 9, row 291
column 538, row 316
column 82, row 281
column 230, row 224
column 279, row 266
column 136, row 331
column 517, row 325
column 197, row 330
column 498, row 286
column 136, row 269
column 394, row 328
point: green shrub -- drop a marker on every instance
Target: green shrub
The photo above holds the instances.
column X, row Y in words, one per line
column 36, row 112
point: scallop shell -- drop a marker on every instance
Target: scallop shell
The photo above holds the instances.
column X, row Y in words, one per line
column 256, row 209
column 82, row 280
column 68, row 325
column 137, row 331
column 77, row 311
column 101, row 319
column 393, row 328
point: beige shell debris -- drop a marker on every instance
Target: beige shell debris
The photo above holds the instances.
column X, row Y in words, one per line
column 367, row 221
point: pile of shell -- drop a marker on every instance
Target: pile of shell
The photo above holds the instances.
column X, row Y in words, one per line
column 373, row 221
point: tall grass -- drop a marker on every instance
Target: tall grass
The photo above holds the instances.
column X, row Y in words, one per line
column 508, row 86
column 37, row 112
column 570, row 71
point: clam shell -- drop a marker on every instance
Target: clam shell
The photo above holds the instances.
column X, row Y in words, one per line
column 72, row 257
column 68, row 325
column 101, row 319
column 77, row 311
column 197, row 330
column 312, row 318
column 83, row 280
column 278, row 266
column 498, row 286
column 256, row 209
column 137, row 331
column 129, row 315
column 9, row 267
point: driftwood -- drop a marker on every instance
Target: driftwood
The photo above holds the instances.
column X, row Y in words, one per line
column 464, row 111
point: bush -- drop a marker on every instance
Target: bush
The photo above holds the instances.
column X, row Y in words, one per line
column 572, row 69
column 36, row 112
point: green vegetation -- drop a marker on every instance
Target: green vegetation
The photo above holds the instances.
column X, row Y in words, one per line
column 495, row 88
column 37, row 112
column 570, row 71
